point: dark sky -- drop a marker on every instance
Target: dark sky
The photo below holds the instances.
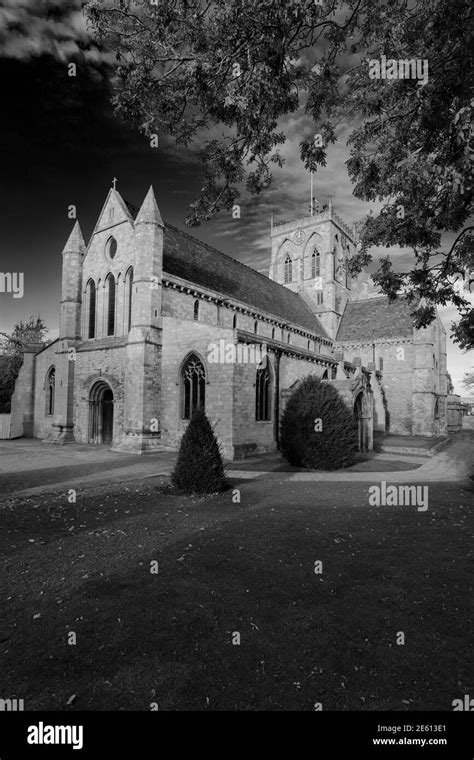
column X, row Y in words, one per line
column 61, row 145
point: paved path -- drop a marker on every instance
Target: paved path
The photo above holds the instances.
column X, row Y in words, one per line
column 29, row 467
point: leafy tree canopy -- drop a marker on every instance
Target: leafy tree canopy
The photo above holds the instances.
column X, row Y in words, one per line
column 11, row 355
column 242, row 66
column 468, row 381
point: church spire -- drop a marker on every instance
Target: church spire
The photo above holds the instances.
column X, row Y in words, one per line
column 75, row 242
column 149, row 212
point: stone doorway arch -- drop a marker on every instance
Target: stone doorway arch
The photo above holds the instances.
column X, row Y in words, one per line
column 101, row 413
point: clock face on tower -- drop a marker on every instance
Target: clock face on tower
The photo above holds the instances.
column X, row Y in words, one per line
column 299, row 237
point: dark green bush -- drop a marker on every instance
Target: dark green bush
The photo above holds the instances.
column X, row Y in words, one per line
column 199, row 468
column 332, row 448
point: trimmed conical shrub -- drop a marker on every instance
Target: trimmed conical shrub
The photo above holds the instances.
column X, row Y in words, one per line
column 318, row 430
column 199, row 468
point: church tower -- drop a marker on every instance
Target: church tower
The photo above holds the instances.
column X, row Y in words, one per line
column 69, row 337
column 309, row 256
column 142, row 423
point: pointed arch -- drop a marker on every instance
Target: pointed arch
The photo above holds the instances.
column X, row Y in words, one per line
column 111, row 299
column 288, row 268
column 196, row 310
column 129, row 297
column 91, row 300
column 192, row 380
column 50, row 388
column 315, row 263
column 263, row 392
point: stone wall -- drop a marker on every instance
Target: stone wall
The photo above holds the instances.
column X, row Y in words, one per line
column 43, row 422
column 107, row 364
column 180, row 338
column 397, row 362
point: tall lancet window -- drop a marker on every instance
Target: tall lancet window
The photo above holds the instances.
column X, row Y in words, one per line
column 196, row 310
column 92, row 302
column 50, row 390
column 111, row 293
column 129, row 296
column 288, row 269
column 262, row 395
column 316, row 263
column 193, row 386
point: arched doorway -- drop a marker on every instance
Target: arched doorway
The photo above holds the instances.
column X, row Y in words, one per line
column 101, row 413
column 358, row 414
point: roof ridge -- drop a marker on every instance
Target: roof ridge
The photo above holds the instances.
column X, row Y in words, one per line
column 211, row 249
column 264, row 277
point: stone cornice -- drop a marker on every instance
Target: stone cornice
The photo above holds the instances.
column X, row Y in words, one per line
column 176, row 283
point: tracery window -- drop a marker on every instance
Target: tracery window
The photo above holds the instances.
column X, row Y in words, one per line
column 193, row 386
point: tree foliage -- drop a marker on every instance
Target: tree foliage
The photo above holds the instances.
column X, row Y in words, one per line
column 11, row 356
column 199, row 467
column 241, row 67
column 468, row 381
column 304, row 442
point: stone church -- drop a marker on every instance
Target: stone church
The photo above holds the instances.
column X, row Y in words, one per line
column 144, row 306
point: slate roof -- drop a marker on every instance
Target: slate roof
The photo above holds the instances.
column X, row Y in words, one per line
column 186, row 257
column 377, row 318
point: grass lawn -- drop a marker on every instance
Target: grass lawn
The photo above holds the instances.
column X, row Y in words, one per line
column 246, row 568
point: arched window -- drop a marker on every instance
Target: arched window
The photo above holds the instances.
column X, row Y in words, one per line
column 92, row 301
column 110, row 305
column 193, row 384
column 255, row 327
column 50, row 390
column 196, row 310
column 273, row 333
column 288, row 269
column 325, row 375
column 316, row 263
column 309, row 345
column 288, row 338
column 129, row 296
column 234, row 322
column 111, row 247
column 262, row 395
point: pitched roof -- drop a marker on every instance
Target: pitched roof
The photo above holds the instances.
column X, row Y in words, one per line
column 375, row 318
column 186, row 257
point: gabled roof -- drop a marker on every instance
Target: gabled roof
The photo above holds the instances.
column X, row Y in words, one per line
column 186, row 257
column 375, row 318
